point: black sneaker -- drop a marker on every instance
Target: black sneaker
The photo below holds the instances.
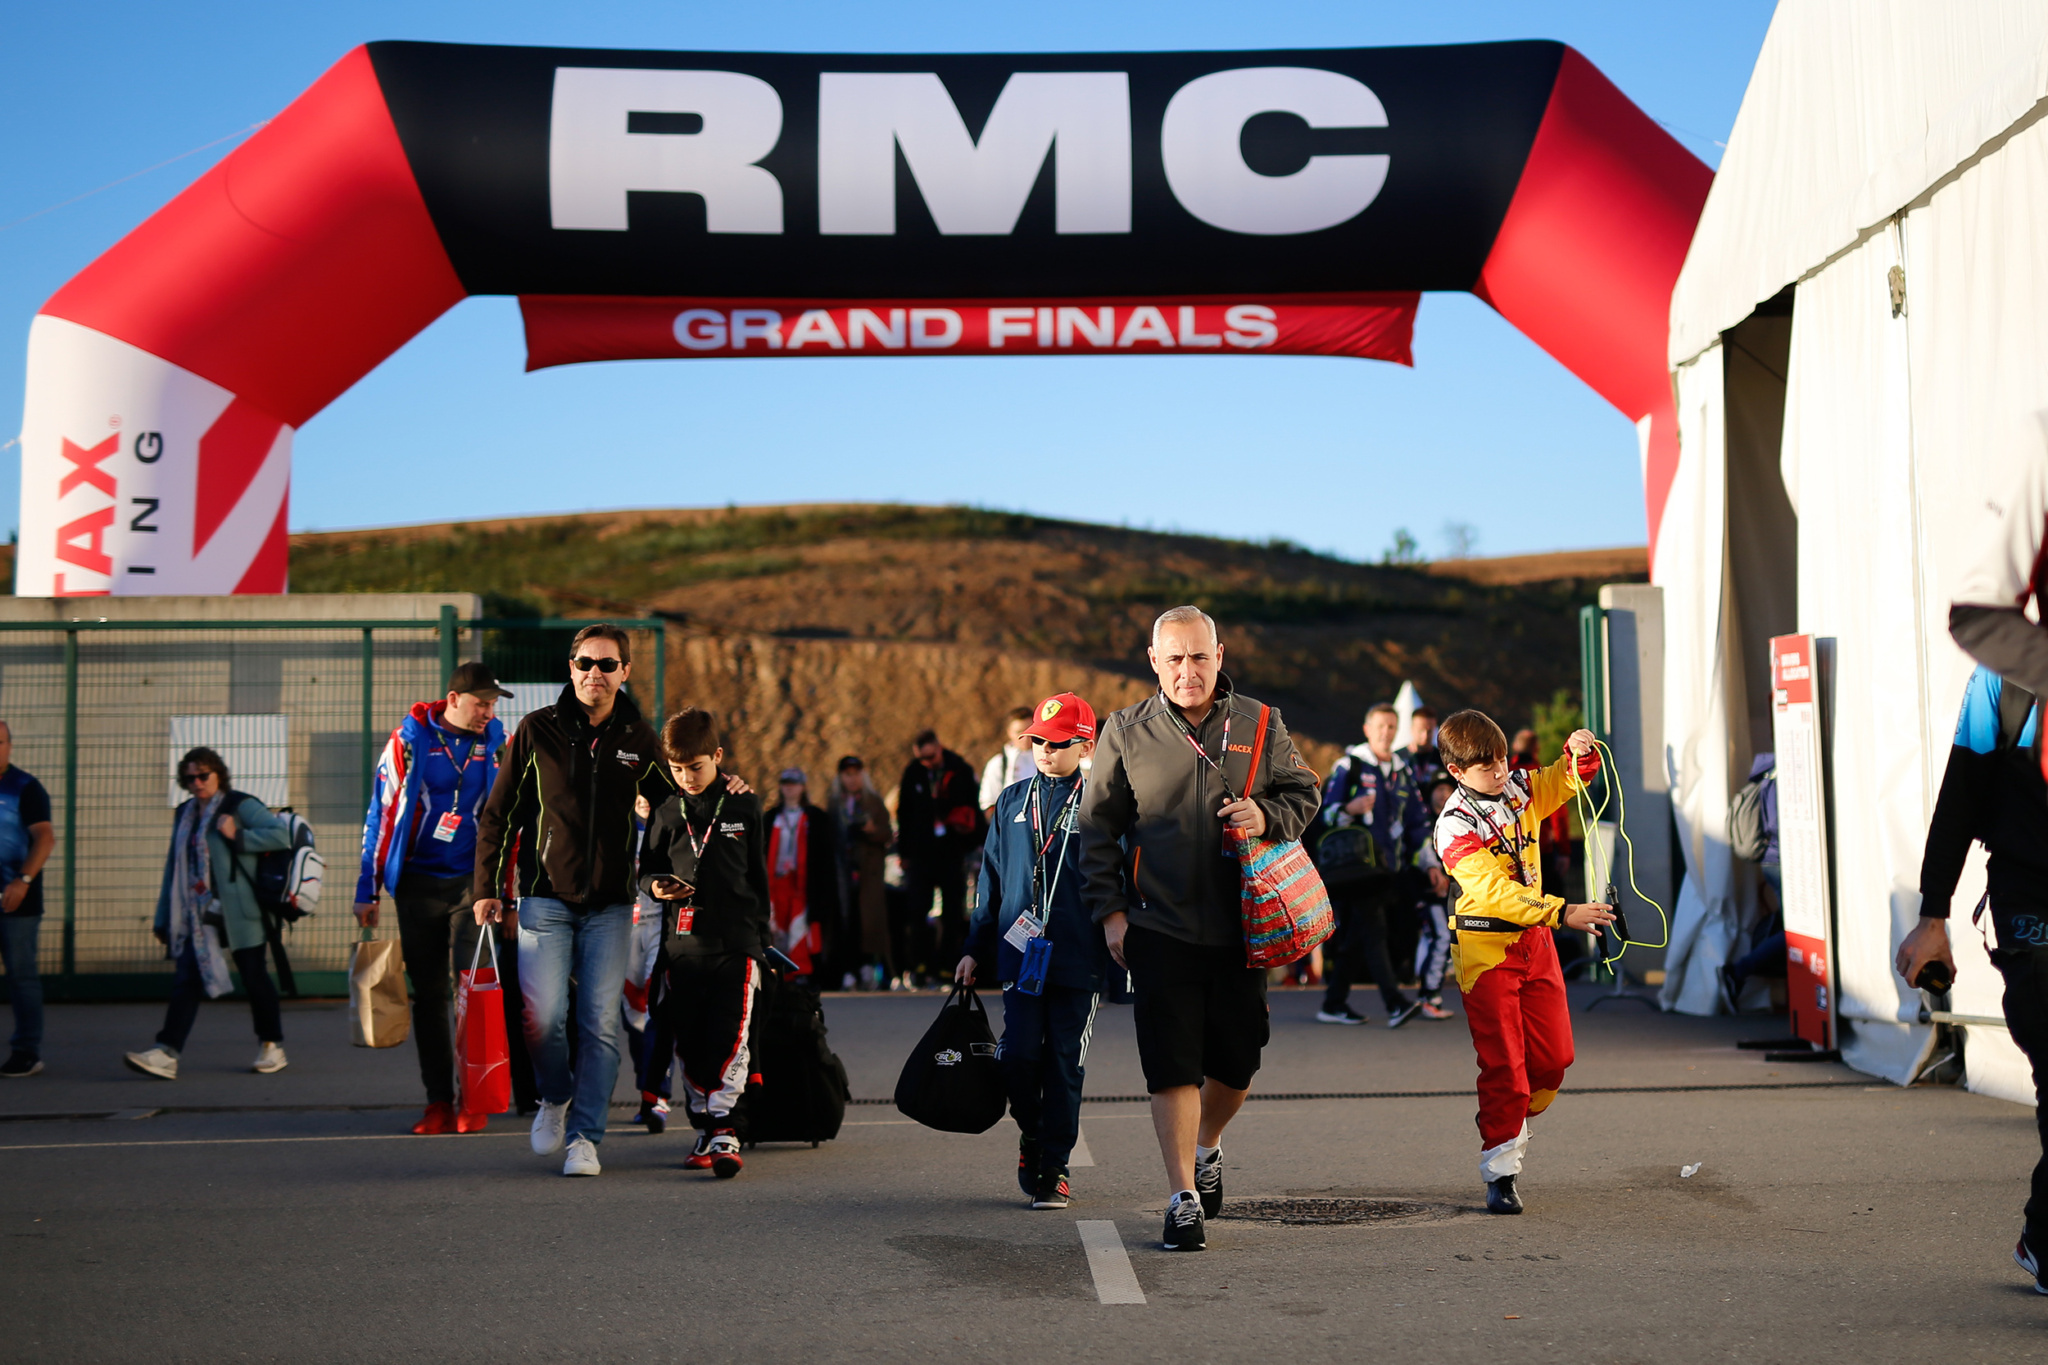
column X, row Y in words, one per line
column 2030, row 1262
column 1403, row 1014
column 1209, row 1183
column 1501, row 1196
column 1052, row 1190
column 21, row 1064
column 1184, row 1230
column 1027, row 1166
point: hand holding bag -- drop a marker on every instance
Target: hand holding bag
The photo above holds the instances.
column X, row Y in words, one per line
column 379, row 1008
column 483, row 1055
column 952, row 1081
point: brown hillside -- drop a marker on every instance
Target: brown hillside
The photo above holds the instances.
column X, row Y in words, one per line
column 823, row 630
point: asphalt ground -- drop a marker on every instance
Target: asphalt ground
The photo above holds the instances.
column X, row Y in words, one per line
column 293, row 1217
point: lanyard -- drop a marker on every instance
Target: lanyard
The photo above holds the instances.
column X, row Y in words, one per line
column 1188, row 733
column 1038, row 886
column 476, row 751
column 1514, row 841
column 698, row 846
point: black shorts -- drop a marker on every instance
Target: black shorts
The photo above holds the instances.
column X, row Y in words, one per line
column 1199, row 1011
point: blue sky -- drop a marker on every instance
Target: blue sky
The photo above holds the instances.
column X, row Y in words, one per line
column 1485, row 430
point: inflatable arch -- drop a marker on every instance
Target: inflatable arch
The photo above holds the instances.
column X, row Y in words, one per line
column 706, row 204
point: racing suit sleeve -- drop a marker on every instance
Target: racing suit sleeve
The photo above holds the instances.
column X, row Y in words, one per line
column 1551, row 787
column 1958, row 815
column 1333, row 792
column 1108, row 809
column 1485, row 886
column 1290, row 796
column 386, row 786
column 503, row 815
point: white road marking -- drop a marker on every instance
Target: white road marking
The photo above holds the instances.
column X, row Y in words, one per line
column 1109, row 1263
column 1081, row 1155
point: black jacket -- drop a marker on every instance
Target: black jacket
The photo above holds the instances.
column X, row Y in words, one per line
column 1992, row 791
column 1152, row 845
column 560, row 820
column 731, row 875
column 949, row 797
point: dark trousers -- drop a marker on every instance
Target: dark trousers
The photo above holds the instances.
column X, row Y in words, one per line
column 947, row 873
column 188, row 988
column 1044, row 1053
column 709, row 1008
column 2026, row 1015
column 1361, row 946
column 435, row 917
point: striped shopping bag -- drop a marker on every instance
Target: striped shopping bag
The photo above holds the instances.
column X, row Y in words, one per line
column 1285, row 908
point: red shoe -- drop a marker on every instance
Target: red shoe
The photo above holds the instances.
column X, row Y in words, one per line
column 699, row 1158
column 725, row 1154
column 466, row 1122
column 439, row 1118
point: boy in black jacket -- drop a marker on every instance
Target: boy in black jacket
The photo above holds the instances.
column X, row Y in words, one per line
column 704, row 861
column 1030, row 898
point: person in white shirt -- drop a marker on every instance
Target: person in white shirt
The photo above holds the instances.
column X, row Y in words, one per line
column 1012, row 762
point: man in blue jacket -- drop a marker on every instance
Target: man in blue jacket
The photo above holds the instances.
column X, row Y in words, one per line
column 419, row 844
column 1374, row 785
column 1033, row 923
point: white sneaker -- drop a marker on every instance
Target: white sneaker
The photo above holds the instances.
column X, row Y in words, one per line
column 548, row 1128
column 269, row 1058
column 582, row 1158
column 159, row 1062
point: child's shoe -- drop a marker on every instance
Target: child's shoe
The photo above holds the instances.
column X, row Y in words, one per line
column 1052, row 1192
column 699, row 1158
column 2030, row 1261
column 725, row 1154
column 1027, row 1165
column 1501, row 1196
column 1432, row 1009
column 653, row 1113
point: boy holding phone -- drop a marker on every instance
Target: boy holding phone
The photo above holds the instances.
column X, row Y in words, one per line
column 1031, row 922
column 705, row 864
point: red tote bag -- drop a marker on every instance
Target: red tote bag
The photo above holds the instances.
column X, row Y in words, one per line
column 483, row 1058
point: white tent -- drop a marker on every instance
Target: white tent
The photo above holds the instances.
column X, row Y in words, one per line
column 1860, row 343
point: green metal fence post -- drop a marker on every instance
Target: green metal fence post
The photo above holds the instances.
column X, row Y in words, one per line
column 70, row 808
column 449, row 644
column 369, row 712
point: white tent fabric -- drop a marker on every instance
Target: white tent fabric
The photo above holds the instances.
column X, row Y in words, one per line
column 1855, row 109
column 1876, row 134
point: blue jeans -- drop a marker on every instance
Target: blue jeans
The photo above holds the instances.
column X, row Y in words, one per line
column 559, row 942
column 24, row 980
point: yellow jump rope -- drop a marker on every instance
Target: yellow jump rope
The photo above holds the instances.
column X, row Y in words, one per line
column 1600, row 868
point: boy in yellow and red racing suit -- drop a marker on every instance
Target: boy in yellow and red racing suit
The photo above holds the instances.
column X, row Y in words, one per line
column 1506, row 962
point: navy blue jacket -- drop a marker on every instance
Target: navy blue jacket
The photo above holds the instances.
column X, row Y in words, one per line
column 1399, row 821
column 1079, row 957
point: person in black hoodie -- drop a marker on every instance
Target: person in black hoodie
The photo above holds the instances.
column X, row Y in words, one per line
column 938, row 822
column 705, row 861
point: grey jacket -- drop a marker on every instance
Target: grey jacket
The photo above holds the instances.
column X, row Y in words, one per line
column 257, row 830
column 1152, row 846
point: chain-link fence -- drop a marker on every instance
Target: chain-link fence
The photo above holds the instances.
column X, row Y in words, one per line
column 101, row 710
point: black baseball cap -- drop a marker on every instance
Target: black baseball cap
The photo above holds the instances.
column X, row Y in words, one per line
column 477, row 680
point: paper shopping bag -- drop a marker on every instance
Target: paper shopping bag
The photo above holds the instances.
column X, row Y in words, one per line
column 483, row 1057
column 378, row 1005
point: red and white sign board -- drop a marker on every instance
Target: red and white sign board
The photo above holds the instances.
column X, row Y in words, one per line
column 567, row 330
column 1803, row 839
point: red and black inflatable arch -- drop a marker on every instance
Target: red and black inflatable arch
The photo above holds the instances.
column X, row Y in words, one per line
column 704, row 204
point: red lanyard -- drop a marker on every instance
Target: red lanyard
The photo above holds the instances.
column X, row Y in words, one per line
column 1515, row 843
column 476, row 750
column 698, row 846
column 1188, row 733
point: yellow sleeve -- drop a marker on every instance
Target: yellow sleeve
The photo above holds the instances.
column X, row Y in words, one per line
column 1485, row 888
column 1551, row 787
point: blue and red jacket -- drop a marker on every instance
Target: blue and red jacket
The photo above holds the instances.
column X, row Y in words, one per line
column 425, row 772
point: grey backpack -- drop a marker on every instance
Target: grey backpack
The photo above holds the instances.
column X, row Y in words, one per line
column 1747, row 836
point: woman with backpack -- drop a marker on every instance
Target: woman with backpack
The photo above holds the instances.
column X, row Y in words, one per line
column 206, row 914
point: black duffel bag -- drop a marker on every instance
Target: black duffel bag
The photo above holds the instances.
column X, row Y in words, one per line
column 952, row 1081
column 1349, row 857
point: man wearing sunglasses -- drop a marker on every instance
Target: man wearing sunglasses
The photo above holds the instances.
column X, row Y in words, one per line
column 557, row 836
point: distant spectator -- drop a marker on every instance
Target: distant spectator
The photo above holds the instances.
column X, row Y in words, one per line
column 1423, row 758
column 937, row 822
column 419, row 844
column 26, row 838
column 1440, row 893
column 1372, row 785
column 206, row 912
column 1012, row 763
column 1766, row 957
column 803, row 875
column 860, row 821
column 1523, row 752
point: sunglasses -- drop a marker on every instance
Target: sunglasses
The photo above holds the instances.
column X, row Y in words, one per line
column 583, row 663
column 189, row 778
column 1059, row 744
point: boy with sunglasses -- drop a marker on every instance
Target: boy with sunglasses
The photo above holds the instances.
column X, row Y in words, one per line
column 1032, row 922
